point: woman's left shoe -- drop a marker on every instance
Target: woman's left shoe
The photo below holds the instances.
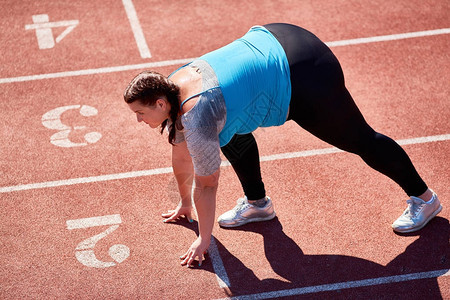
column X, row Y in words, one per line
column 417, row 214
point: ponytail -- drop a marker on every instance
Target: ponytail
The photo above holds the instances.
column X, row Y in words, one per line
column 147, row 87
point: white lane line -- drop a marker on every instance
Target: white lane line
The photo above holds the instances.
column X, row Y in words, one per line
column 97, row 71
column 66, row 182
column 187, row 60
column 391, row 37
column 343, row 285
column 420, row 140
column 219, row 268
column 135, row 174
column 137, row 29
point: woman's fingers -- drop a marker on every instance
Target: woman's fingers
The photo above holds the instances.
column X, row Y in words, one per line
column 196, row 252
column 189, row 217
column 200, row 260
column 168, row 214
column 172, row 215
column 186, row 258
column 184, row 255
column 171, row 218
column 189, row 258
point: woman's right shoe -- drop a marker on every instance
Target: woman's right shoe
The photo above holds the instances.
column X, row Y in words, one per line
column 245, row 212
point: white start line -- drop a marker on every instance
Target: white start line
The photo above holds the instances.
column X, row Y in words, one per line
column 343, row 285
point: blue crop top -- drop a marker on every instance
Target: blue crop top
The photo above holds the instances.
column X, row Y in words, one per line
column 254, row 76
column 246, row 85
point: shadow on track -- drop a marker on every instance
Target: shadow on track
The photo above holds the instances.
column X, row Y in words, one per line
column 430, row 252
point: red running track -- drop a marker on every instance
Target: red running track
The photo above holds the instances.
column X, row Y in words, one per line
column 332, row 236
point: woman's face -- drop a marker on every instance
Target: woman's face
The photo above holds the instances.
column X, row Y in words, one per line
column 151, row 115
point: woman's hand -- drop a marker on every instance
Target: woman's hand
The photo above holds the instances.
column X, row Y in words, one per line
column 179, row 211
column 197, row 250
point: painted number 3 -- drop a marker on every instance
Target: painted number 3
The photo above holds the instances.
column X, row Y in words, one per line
column 84, row 252
column 52, row 120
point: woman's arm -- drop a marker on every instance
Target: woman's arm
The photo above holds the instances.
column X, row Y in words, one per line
column 204, row 197
column 205, row 203
column 184, row 174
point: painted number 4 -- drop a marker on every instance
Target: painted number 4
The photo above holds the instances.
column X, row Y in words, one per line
column 84, row 252
column 44, row 32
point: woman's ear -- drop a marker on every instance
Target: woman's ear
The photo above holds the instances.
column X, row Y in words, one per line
column 161, row 103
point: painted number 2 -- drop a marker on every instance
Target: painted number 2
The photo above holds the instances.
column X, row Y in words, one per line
column 84, row 252
column 52, row 120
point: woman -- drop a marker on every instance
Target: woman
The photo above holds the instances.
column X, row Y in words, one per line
column 274, row 73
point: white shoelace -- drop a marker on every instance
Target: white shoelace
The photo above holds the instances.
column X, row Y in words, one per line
column 414, row 206
column 241, row 204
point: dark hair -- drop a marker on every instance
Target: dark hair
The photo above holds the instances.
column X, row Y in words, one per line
column 149, row 86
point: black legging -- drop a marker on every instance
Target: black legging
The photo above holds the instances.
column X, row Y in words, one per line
column 321, row 104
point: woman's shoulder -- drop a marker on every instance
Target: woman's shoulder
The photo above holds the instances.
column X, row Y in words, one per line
column 189, row 80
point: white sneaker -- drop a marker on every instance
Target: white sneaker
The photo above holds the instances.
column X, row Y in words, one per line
column 245, row 212
column 417, row 214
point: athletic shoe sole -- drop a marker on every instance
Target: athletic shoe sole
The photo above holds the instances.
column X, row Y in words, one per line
column 249, row 221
